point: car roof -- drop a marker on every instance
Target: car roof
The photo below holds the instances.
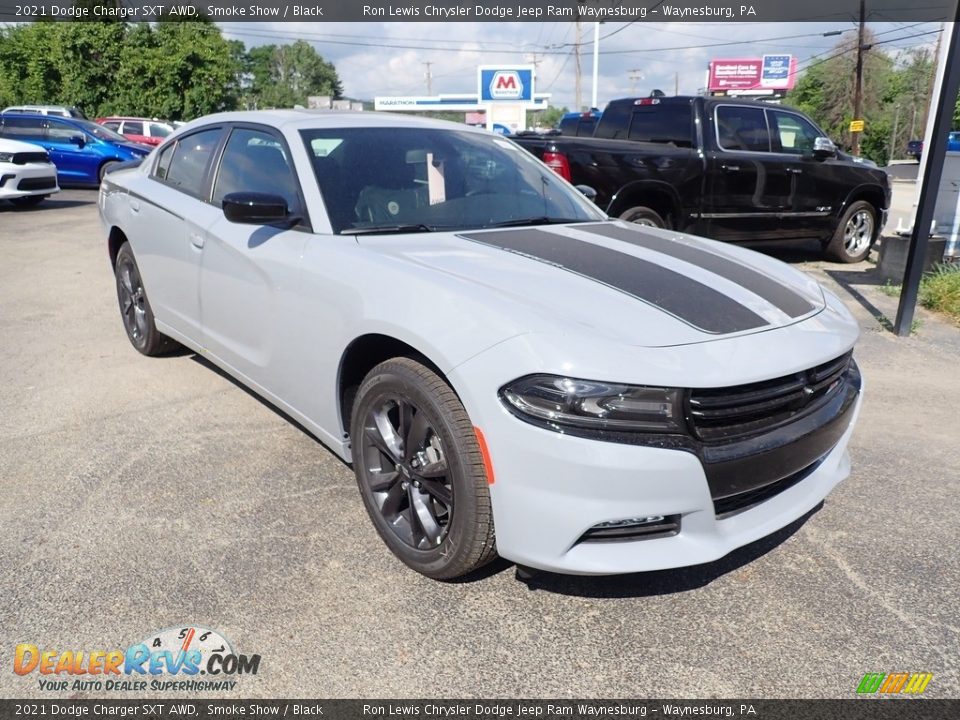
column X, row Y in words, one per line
column 33, row 116
column 304, row 119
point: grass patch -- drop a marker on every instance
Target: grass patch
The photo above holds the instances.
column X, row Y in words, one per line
column 891, row 290
column 940, row 291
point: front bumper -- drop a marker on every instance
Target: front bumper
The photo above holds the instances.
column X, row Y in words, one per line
column 31, row 179
column 550, row 489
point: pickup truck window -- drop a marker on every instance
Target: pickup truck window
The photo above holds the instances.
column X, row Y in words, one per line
column 742, row 128
column 663, row 124
column 791, row 133
column 378, row 179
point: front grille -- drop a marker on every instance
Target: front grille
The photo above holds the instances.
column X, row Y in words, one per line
column 45, row 183
column 723, row 414
column 23, row 158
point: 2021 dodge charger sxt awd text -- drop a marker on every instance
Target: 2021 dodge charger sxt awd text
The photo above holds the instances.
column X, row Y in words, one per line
column 508, row 371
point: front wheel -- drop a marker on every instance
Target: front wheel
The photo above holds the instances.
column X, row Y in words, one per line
column 855, row 233
column 420, row 470
column 641, row 215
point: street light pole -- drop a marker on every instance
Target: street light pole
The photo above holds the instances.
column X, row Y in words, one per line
column 596, row 62
column 858, row 91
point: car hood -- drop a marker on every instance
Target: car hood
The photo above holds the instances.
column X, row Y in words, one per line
column 15, row 146
column 632, row 284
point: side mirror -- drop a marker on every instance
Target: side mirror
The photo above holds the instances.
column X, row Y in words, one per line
column 824, row 148
column 255, row 208
column 588, row 192
column 78, row 140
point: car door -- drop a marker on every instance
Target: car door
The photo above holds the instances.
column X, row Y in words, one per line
column 822, row 184
column 250, row 273
column 750, row 191
column 168, row 241
column 73, row 151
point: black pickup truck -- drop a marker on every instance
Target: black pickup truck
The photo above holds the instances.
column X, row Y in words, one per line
column 732, row 170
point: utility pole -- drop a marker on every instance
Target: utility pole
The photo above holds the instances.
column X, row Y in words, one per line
column 577, row 94
column 858, row 90
column 635, row 75
column 429, row 76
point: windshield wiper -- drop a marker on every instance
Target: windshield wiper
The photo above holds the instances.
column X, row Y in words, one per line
column 536, row 221
column 388, row 229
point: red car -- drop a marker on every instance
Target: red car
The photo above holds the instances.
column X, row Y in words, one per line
column 141, row 130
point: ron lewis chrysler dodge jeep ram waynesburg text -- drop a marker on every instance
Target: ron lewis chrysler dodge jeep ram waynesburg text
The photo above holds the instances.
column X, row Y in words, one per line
column 508, row 371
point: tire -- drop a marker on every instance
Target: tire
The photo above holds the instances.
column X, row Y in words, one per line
column 28, row 200
column 641, row 215
column 855, row 233
column 438, row 522
column 105, row 168
column 135, row 307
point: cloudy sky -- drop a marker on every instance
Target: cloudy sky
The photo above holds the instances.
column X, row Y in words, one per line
column 388, row 58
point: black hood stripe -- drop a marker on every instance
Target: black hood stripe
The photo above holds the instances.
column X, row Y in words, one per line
column 692, row 302
column 775, row 293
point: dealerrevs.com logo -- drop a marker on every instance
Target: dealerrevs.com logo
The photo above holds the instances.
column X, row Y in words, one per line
column 173, row 660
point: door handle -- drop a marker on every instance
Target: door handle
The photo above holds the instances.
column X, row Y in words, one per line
column 134, row 206
column 795, row 171
column 730, row 168
column 196, row 239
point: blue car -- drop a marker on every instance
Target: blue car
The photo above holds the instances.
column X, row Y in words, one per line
column 953, row 141
column 82, row 150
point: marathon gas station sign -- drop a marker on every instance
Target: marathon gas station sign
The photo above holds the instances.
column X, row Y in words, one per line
column 504, row 94
column 767, row 75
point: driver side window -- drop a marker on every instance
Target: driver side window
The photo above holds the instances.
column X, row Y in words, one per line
column 255, row 161
column 792, row 133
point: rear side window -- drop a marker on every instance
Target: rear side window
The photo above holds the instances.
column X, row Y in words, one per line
column 189, row 161
column 132, row 127
column 112, row 125
column 672, row 124
column 742, row 128
column 24, row 129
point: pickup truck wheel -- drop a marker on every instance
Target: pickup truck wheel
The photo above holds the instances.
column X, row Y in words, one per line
column 420, row 470
column 855, row 233
column 135, row 308
column 641, row 215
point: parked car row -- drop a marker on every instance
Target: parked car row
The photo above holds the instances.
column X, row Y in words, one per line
column 82, row 151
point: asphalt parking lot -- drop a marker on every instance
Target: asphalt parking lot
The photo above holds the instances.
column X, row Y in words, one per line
column 140, row 494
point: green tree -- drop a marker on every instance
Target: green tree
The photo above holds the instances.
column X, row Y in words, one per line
column 286, row 75
column 826, row 93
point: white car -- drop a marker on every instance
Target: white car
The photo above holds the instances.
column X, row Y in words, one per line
column 508, row 371
column 26, row 174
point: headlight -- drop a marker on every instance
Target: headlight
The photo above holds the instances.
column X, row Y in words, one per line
column 6, row 157
column 594, row 405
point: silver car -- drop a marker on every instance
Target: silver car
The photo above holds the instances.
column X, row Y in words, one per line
column 508, row 371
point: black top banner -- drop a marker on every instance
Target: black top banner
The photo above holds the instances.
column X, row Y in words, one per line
column 864, row 709
column 475, row 10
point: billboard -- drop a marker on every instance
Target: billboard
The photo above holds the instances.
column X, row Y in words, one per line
column 505, row 84
column 773, row 72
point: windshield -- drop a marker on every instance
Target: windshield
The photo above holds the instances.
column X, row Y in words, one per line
column 421, row 179
column 101, row 132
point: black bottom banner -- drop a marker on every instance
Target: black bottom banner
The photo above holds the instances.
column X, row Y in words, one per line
column 855, row 709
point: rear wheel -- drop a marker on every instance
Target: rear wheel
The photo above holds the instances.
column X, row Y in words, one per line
column 642, row 215
column 420, row 470
column 135, row 307
column 28, row 200
column 855, row 233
